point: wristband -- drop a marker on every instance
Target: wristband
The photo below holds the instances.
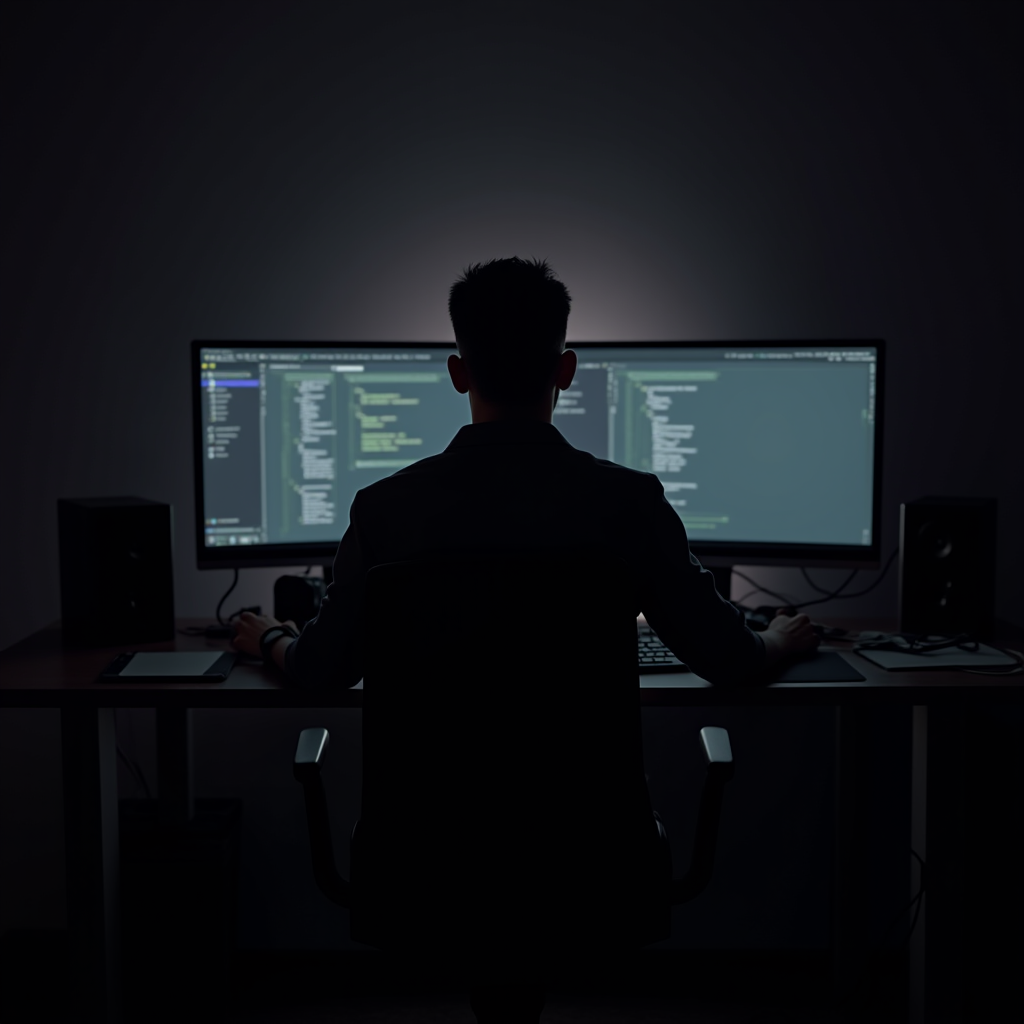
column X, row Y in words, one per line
column 270, row 637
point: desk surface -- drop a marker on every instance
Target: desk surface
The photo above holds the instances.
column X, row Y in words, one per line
column 39, row 672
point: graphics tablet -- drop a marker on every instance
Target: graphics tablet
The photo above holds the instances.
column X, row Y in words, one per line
column 169, row 667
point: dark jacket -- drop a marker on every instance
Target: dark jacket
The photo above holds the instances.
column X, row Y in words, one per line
column 521, row 485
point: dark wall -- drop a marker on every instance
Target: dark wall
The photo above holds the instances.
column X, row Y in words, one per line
column 324, row 171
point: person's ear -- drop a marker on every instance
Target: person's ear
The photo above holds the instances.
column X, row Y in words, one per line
column 566, row 369
column 457, row 372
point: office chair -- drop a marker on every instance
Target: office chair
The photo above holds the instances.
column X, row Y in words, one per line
column 505, row 814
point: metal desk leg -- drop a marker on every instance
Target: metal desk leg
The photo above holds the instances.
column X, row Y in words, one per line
column 89, row 754
column 849, row 880
column 937, row 826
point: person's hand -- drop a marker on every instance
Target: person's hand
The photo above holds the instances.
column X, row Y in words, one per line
column 794, row 633
column 249, row 628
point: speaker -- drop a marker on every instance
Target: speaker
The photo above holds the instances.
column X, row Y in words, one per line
column 948, row 566
column 116, row 577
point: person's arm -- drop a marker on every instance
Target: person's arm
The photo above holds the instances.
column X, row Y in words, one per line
column 329, row 650
column 280, row 649
column 786, row 637
column 680, row 602
column 249, row 630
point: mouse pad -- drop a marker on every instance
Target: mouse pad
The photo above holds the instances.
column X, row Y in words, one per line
column 823, row 667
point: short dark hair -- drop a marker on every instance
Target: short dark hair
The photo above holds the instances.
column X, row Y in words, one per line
column 510, row 318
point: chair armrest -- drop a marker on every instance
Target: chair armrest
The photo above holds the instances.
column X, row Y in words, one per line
column 309, row 756
column 310, row 753
column 717, row 752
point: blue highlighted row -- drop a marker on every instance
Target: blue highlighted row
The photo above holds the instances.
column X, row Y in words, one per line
column 230, row 383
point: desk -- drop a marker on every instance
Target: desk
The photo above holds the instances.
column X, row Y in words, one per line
column 38, row 673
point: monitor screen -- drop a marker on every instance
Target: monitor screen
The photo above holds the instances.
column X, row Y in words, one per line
column 769, row 453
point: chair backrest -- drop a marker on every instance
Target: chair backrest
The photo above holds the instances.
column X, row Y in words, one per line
column 502, row 754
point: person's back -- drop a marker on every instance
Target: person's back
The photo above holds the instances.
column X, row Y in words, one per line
column 520, row 486
column 510, row 482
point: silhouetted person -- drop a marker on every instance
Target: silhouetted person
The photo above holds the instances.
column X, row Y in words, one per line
column 510, row 479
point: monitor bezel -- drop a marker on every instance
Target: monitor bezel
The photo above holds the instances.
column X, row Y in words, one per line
column 264, row 555
column 823, row 556
column 710, row 553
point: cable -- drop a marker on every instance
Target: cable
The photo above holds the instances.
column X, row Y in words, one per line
column 812, row 584
column 135, row 771
column 758, row 589
column 891, row 642
column 1008, row 670
column 921, row 644
column 740, row 601
column 915, row 905
column 919, row 898
column 917, row 643
column 916, row 900
column 821, row 590
column 223, row 627
column 829, row 595
column 220, row 604
column 867, row 589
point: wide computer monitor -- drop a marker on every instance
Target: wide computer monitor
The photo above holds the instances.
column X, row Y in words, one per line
column 769, row 452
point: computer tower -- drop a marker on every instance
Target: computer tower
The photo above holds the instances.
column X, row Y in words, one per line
column 116, row 575
column 948, row 566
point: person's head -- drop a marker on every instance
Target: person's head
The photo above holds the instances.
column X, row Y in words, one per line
column 510, row 318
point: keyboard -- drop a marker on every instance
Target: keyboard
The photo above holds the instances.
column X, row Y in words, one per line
column 653, row 655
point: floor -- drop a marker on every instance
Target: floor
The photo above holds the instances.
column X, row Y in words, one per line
column 652, row 987
column 655, row 988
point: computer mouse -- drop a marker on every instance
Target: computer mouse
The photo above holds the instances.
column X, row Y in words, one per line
column 756, row 620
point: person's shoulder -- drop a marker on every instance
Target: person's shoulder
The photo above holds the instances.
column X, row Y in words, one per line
column 430, row 464
column 612, row 483
column 623, row 476
column 387, row 485
column 574, row 463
